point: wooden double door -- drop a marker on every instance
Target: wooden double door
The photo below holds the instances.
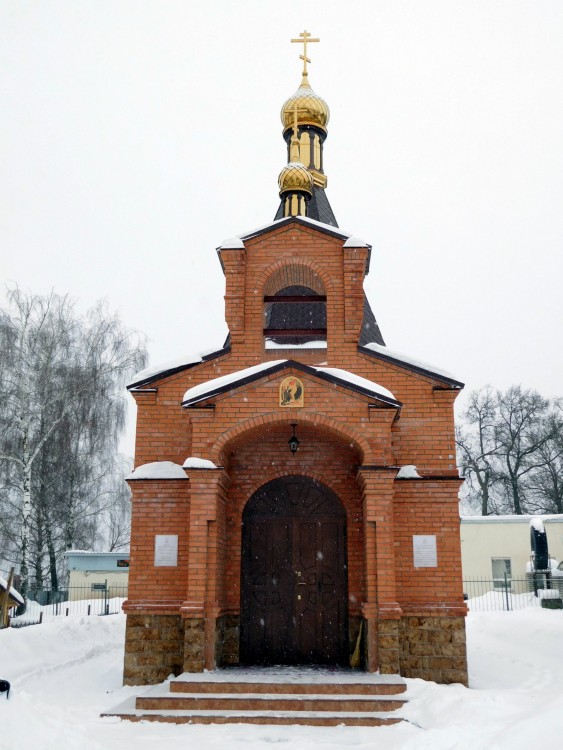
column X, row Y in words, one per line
column 294, row 575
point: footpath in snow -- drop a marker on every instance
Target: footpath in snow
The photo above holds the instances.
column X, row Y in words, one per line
column 65, row 672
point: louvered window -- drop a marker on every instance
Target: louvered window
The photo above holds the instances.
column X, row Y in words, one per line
column 295, row 315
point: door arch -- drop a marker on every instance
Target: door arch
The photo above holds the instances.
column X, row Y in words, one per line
column 294, row 575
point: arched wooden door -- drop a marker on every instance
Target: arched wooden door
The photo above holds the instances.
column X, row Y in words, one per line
column 294, row 575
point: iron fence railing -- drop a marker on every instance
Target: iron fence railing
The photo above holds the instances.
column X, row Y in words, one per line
column 93, row 599
column 482, row 594
column 488, row 594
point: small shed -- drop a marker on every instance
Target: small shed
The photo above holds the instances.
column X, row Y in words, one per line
column 91, row 572
column 14, row 600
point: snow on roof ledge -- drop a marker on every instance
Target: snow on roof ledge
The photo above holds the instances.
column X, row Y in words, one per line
column 408, row 472
column 354, row 379
column 408, row 360
column 210, row 385
column 233, row 243
column 323, row 225
column 193, row 462
column 158, row 470
column 355, row 242
column 269, row 344
column 299, row 219
column 172, row 364
column 16, row 596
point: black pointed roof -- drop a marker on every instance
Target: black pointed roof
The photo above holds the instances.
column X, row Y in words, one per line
column 318, row 208
column 370, row 333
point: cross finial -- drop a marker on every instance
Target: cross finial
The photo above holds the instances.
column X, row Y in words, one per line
column 294, row 151
column 305, row 39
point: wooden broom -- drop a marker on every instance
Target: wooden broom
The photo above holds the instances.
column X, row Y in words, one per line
column 355, row 658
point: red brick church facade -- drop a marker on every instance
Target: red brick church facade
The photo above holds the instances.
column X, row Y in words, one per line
column 249, row 549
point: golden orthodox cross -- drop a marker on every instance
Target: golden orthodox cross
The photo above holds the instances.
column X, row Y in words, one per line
column 305, row 39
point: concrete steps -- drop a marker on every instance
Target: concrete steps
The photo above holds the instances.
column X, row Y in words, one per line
column 376, row 686
column 254, row 697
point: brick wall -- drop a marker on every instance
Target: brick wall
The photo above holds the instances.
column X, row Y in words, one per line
column 426, row 506
column 158, row 507
column 246, row 434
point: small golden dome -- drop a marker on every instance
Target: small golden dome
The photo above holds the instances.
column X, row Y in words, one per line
column 295, row 176
column 311, row 108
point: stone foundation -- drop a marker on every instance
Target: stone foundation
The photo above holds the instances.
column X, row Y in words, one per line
column 154, row 648
column 227, row 640
column 433, row 648
column 388, row 646
column 194, row 645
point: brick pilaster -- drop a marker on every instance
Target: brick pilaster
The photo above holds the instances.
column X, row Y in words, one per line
column 206, row 566
column 380, row 604
column 354, row 272
column 234, row 262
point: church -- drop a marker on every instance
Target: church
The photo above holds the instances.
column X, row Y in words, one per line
column 295, row 492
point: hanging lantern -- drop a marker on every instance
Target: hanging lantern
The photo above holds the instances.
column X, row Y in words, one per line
column 293, row 441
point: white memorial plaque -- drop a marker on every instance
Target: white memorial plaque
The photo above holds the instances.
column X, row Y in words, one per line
column 166, row 550
column 424, row 551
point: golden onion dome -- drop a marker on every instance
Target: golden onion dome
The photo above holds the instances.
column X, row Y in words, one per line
column 311, row 108
column 295, row 176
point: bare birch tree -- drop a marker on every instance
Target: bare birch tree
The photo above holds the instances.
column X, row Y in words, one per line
column 63, row 409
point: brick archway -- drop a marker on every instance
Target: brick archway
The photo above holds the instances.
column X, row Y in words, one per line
column 294, row 274
column 297, row 271
column 246, row 430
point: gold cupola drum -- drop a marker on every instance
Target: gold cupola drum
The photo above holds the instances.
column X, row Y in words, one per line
column 312, row 109
column 304, row 117
column 296, row 188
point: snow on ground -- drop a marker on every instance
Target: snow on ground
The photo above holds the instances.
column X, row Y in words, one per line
column 65, row 672
column 97, row 606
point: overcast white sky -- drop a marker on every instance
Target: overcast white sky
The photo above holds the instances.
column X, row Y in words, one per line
column 137, row 135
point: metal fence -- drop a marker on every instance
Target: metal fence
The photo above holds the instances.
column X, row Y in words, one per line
column 94, row 599
column 482, row 594
column 485, row 595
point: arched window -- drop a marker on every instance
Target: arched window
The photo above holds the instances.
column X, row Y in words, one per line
column 294, row 309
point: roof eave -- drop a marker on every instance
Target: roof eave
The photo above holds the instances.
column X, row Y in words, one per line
column 318, row 226
column 451, row 382
column 175, row 370
column 190, row 402
column 302, row 221
column 290, row 363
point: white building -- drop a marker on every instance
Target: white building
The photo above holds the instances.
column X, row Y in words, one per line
column 97, row 571
column 494, row 545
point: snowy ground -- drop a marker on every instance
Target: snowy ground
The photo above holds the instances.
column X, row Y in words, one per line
column 75, row 607
column 65, row 672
